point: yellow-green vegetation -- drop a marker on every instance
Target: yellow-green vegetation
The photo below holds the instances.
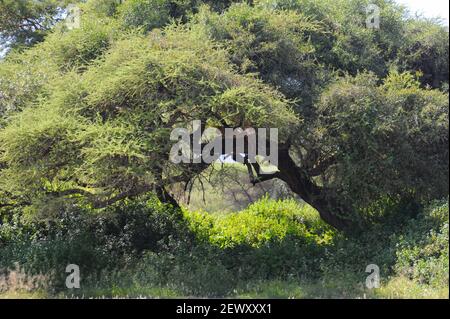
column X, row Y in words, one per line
column 405, row 288
column 264, row 221
column 272, row 249
column 88, row 114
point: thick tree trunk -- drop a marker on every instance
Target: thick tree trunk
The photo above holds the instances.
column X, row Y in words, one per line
column 165, row 197
column 330, row 210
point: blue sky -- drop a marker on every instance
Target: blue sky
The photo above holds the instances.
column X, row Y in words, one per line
column 429, row 8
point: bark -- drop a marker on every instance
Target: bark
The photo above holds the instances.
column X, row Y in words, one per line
column 165, row 197
column 330, row 209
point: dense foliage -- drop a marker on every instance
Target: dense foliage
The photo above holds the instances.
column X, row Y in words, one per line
column 86, row 115
column 362, row 112
column 25, row 22
column 138, row 248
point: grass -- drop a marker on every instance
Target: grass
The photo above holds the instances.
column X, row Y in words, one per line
column 404, row 288
column 396, row 288
column 136, row 291
column 271, row 249
column 25, row 295
column 17, row 284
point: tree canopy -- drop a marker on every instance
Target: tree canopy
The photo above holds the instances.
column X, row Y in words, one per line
column 362, row 112
column 27, row 22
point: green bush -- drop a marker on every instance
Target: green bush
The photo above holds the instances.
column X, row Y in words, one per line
column 264, row 221
column 423, row 252
column 94, row 240
column 143, row 247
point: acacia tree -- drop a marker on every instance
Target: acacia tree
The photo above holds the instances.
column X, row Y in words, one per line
column 88, row 112
column 26, row 22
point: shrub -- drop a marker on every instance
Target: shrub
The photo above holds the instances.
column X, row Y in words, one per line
column 264, row 221
column 142, row 247
column 423, row 252
column 94, row 240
